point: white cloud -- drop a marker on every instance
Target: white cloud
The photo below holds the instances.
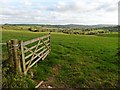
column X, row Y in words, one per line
column 5, row 1
column 60, row 11
column 82, row 6
column 26, row 2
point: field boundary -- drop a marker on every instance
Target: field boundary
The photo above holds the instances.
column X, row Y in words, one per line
column 25, row 54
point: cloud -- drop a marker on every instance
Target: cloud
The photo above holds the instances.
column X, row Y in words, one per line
column 27, row 2
column 82, row 6
column 59, row 11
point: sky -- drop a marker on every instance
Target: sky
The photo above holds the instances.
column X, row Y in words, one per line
column 86, row 12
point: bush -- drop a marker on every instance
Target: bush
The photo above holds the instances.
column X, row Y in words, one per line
column 12, row 80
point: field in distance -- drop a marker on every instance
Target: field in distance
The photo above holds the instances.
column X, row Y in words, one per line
column 80, row 61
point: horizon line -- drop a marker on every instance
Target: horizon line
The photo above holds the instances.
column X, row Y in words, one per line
column 55, row 24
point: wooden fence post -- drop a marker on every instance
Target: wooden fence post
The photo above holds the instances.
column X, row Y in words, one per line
column 10, row 53
column 16, row 57
column 50, row 41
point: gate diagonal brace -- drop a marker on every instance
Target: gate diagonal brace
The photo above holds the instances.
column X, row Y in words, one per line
column 32, row 56
column 45, row 44
column 31, row 51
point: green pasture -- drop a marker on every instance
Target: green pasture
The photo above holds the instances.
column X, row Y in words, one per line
column 75, row 60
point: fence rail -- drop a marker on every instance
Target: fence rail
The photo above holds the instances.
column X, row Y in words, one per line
column 24, row 55
column 2, row 43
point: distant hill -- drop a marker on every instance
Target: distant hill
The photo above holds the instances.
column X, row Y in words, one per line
column 68, row 26
column 72, row 27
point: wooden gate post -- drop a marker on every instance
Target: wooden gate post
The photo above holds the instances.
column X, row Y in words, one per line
column 50, row 42
column 23, row 58
column 10, row 53
column 16, row 58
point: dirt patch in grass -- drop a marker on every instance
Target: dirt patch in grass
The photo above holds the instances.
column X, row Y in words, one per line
column 51, row 81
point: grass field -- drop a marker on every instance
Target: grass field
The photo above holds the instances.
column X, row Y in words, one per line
column 75, row 60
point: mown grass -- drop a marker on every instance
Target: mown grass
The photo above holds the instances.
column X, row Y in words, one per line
column 76, row 60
